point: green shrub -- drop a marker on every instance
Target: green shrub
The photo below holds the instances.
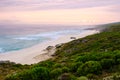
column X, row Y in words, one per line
column 67, row 76
column 55, row 73
column 89, row 67
column 12, row 77
column 117, row 57
column 65, row 69
column 107, row 63
column 82, row 78
column 91, row 76
column 75, row 66
column 118, row 61
column 47, row 64
column 32, row 74
column 57, row 65
column 82, row 58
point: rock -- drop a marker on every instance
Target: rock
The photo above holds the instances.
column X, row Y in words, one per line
column 49, row 48
column 72, row 37
column 84, row 41
column 53, row 55
column 58, row 45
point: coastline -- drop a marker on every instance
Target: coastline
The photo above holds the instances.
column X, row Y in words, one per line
column 38, row 53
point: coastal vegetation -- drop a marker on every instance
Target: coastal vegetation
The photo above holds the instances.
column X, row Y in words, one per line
column 95, row 57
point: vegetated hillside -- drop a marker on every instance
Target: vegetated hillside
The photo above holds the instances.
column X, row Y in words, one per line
column 7, row 67
column 110, row 27
column 93, row 57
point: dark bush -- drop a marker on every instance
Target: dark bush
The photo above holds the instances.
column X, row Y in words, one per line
column 107, row 63
column 75, row 66
column 55, row 73
column 93, row 67
column 65, row 69
column 67, row 76
column 32, row 74
column 57, row 65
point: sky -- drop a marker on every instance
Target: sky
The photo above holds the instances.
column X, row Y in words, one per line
column 74, row 12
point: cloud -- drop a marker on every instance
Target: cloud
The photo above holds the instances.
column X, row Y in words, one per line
column 59, row 11
column 8, row 5
column 94, row 15
column 114, row 8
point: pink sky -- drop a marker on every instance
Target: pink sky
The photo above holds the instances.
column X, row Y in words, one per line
column 75, row 12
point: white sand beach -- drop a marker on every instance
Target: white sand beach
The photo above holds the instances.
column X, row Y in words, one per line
column 37, row 53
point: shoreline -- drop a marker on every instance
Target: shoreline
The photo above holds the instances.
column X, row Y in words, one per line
column 38, row 53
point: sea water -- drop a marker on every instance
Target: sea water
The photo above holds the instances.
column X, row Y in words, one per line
column 15, row 37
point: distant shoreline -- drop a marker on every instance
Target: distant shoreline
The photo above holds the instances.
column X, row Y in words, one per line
column 37, row 53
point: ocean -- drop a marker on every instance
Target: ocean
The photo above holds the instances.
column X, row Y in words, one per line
column 17, row 37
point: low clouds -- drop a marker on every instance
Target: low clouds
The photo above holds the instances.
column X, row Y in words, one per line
column 59, row 11
column 18, row 5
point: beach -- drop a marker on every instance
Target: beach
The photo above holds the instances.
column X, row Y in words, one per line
column 38, row 52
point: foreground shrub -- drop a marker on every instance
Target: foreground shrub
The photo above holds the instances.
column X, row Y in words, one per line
column 55, row 73
column 57, row 65
column 89, row 67
column 82, row 78
column 75, row 66
column 47, row 64
column 107, row 63
column 32, row 74
column 67, row 76
column 65, row 69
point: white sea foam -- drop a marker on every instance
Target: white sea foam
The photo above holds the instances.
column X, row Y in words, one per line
column 26, row 38
column 48, row 35
column 1, row 50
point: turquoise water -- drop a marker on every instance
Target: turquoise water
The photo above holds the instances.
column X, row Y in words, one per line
column 17, row 38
